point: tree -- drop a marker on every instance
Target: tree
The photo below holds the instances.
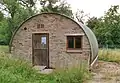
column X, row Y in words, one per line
column 107, row 28
column 80, row 16
column 51, row 6
column 112, row 22
column 29, row 5
column 16, row 13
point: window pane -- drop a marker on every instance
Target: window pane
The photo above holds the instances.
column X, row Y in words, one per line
column 78, row 42
column 43, row 40
column 70, row 42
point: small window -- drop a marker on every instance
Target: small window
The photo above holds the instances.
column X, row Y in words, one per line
column 74, row 42
column 43, row 40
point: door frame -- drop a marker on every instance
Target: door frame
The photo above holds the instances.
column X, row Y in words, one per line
column 33, row 49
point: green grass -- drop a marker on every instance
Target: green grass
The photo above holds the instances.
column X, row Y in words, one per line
column 4, row 49
column 111, row 55
column 19, row 71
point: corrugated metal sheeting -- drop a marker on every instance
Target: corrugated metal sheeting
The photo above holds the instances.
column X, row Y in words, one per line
column 93, row 42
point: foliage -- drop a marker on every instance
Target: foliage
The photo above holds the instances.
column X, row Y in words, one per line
column 81, row 16
column 62, row 8
column 14, row 13
column 19, row 71
column 107, row 28
column 1, row 16
column 4, row 32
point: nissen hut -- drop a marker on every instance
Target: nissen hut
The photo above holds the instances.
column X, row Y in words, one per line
column 54, row 40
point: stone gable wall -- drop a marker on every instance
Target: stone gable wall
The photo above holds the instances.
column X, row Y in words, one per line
column 57, row 26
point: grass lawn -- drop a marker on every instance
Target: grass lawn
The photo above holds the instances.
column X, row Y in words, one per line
column 19, row 71
column 4, row 49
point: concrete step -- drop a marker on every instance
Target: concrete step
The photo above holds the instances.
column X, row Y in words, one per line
column 42, row 69
column 39, row 68
column 46, row 71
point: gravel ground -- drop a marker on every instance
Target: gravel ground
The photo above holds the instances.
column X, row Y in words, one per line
column 105, row 72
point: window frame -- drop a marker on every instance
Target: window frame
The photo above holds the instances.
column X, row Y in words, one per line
column 74, row 36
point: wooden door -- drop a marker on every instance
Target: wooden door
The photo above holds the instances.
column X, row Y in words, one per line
column 40, row 47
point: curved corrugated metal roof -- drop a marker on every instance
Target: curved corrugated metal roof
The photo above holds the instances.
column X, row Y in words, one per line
column 93, row 42
column 90, row 35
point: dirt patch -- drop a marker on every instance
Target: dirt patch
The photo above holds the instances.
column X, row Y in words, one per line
column 106, row 72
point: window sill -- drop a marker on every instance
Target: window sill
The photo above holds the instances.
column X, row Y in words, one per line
column 74, row 50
